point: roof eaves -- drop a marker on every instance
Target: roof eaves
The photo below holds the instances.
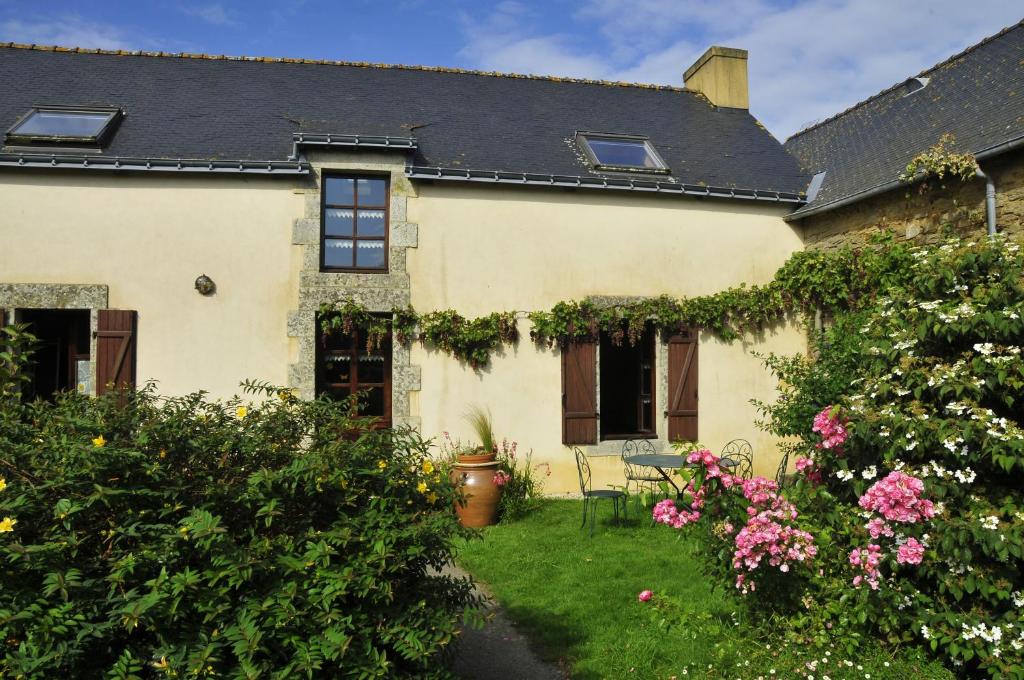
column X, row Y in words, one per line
column 810, row 209
column 118, row 163
column 429, row 173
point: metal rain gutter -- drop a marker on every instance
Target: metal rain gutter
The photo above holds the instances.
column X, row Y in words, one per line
column 984, row 154
column 94, row 162
column 333, row 140
column 575, row 182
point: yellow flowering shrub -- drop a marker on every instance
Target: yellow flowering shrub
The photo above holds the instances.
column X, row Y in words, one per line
column 182, row 537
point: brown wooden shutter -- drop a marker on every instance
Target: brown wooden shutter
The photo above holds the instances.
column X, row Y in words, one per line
column 115, row 350
column 3, row 317
column 579, row 393
column 682, row 386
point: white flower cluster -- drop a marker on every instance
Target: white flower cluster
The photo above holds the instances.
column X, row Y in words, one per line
column 965, row 476
column 992, row 635
column 844, row 475
column 962, row 311
column 1018, row 599
column 930, row 306
column 869, row 472
column 953, row 445
column 991, row 522
column 926, row 633
column 985, row 348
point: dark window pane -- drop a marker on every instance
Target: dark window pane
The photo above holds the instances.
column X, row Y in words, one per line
column 338, row 393
column 337, row 368
column 370, row 254
column 371, row 369
column 371, row 402
column 337, row 252
column 372, row 192
column 370, row 223
column 340, row 190
column 622, row 152
column 338, row 221
column 338, row 340
column 63, row 124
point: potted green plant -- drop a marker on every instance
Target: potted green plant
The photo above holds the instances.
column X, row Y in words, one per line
column 473, row 470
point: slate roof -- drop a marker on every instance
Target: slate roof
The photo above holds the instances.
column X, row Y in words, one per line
column 248, row 109
column 976, row 95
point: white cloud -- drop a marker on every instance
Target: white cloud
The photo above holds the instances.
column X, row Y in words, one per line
column 808, row 59
column 212, row 13
column 68, row 30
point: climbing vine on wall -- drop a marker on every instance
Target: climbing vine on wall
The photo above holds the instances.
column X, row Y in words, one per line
column 940, row 161
column 810, row 280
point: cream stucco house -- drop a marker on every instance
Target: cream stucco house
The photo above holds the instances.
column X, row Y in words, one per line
column 125, row 177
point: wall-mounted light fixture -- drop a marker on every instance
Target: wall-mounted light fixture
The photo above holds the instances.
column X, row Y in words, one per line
column 205, row 285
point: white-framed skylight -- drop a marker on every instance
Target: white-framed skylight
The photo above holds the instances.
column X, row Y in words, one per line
column 65, row 124
column 629, row 153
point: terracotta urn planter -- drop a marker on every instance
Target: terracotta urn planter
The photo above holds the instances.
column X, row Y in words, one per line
column 474, row 475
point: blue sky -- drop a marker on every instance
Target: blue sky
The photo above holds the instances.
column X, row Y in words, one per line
column 808, row 59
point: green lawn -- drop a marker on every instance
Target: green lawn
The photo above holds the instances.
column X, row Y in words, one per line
column 576, row 598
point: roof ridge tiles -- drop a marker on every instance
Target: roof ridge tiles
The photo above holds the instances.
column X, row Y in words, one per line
column 944, row 62
column 353, row 64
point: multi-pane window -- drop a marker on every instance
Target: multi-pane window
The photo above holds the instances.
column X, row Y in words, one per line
column 355, row 224
column 346, row 366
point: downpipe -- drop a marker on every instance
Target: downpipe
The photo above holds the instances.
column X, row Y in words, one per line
column 990, row 201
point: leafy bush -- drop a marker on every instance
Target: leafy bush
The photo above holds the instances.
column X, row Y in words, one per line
column 174, row 537
column 521, row 483
column 930, row 380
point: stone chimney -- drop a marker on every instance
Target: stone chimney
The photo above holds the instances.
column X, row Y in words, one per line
column 720, row 75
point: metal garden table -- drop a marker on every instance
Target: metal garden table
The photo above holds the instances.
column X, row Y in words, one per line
column 671, row 461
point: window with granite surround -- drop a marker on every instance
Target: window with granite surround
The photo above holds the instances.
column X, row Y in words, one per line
column 354, row 224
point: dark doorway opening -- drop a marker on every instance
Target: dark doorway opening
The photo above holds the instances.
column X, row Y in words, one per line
column 627, row 388
column 61, row 358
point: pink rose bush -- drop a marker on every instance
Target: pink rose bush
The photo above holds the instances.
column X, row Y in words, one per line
column 897, row 498
column 768, row 537
column 645, row 596
column 830, row 426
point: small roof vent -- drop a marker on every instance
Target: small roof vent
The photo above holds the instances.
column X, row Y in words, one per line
column 913, row 85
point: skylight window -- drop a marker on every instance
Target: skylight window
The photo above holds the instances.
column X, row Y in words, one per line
column 621, row 152
column 57, row 124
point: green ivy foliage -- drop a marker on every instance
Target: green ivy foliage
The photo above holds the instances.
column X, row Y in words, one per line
column 183, row 537
column 827, row 281
column 931, row 378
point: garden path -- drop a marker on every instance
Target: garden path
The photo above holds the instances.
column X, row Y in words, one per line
column 498, row 651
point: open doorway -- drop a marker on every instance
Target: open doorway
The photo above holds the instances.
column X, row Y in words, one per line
column 61, row 358
column 627, row 388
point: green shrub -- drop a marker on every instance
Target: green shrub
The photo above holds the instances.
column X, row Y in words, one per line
column 931, row 381
column 184, row 537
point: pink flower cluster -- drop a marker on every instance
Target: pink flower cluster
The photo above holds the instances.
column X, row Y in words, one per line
column 809, row 469
column 501, row 478
column 831, row 428
column 911, row 552
column 898, row 499
column 645, row 596
column 867, row 561
column 767, row 535
column 665, row 512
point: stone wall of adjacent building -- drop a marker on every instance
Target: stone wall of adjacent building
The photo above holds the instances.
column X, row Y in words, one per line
column 926, row 216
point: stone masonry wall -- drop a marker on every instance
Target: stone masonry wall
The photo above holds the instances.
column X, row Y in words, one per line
column 926, row 217
column 379, row 292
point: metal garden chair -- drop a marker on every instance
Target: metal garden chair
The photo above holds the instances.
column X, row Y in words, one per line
column 780, row 474
column 639, row 475
column 591, row 496
column 742, row 452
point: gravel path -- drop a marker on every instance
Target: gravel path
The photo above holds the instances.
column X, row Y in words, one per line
column 498, row 651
